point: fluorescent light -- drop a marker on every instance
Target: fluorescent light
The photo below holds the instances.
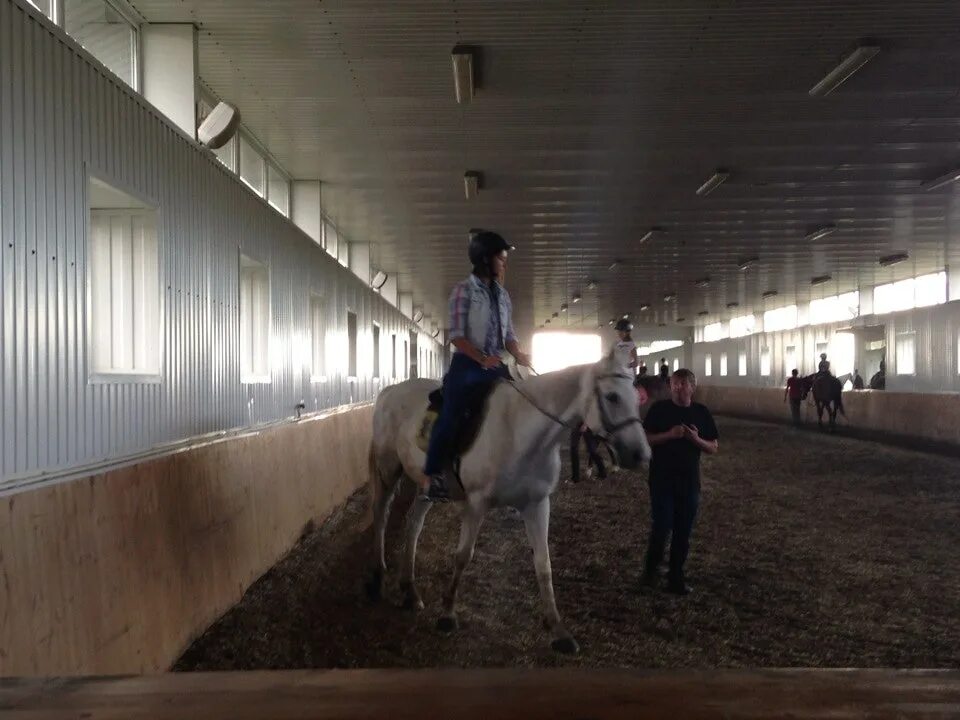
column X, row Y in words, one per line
column 821, row 232
column 748, row 263
column 417, row 315
column 733, row 304
column 670, row 297
column 592, row 285
column 681, row 319
column 655, row 230
column 615, row 264
column 563, row 307
column 820, row 279
column 945, row 179
column 626, row 316
column 378, row 280
column 471, row 184
column 769, row 294
column 644, row 307
column 715, row 181
column 463, row 73
column 576, row 298
column 847, row 67
column 888, row 260
column 703, row 313
column 702, row 282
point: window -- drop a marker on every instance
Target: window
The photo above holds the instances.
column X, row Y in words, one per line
column 742, row 363
column 105, row 34
column 906, row 354
column 318, row 339
column 713, row 332
column 765, row 362
column 352, row 344
column 912, row 292
column 406, row 360
column 393, row 355
column 784, row 318
column 47, row 7
column 790, row 358
column 376, row 351
column 278, row 190
column 124, row 284
column 835, row 308
column 343, row 251
column 707, row 365
column 559, row 350
column 723, row 364
column 227, row 155
column 251, row 165
column 254, row 321
column 330, row 237
column 676, row 364
column 743, row 325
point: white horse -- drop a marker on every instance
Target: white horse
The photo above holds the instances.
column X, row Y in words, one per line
column 514, row 461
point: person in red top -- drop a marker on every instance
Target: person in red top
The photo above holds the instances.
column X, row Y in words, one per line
column 794, row 391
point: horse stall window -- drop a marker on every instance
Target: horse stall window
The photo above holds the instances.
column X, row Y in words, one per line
column 318, row 339
column 376, row 350
column 765, row 362
column 742, row 363
column 790, row 359
column 124, row 286
column 393, row 356
column 106, row 34
column 251, row 166
column 723, row 364
column 406, row 359
column 906, row 354
column 676, row 364
column 351, row 344
column 707, row 365
column 254, row 321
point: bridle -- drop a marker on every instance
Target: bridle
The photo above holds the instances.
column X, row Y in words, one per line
column 610, row 428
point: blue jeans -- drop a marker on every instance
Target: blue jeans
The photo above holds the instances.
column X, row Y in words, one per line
column 463, row 378
column 673, row 507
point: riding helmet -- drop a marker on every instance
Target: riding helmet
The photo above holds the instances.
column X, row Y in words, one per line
column 484, row 245
column 623, row 325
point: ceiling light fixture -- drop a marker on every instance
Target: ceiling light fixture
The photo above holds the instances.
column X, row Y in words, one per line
column 644, row 307
column 820, row 279
column 703, row 313
column 471, row 184
column 670, row 297
column 417, row 315
column 681, row 319
column 945, row 179
column 731, row 305
column 655, row 230
column 463, row 73
column 888, row 260
column 576, row 298
column 716, row 180
column 592, row 285
column 748, row 263
column 769, row 294
column 848, row 66
column 615, row 264
column 563, row 307
column 702, row 282
column 821, row 232
column 378, row 280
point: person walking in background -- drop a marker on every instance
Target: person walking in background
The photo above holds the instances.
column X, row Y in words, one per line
column 678, row 430
column 794, row 393
column 664, row 369
column 626, row 348
column 857, row 380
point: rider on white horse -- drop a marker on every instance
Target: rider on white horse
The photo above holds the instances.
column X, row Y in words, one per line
column 626, row 348
column 481, row 328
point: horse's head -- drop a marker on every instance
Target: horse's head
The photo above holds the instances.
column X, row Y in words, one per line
column 613, row 412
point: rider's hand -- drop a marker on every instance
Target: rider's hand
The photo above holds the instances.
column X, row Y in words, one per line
column 691, row 432
column 522, row 359
column 490, row 362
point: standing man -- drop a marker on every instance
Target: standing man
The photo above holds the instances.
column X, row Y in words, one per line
column 664, row 369
column 857, row 380
column 794, row 391
column 481, row 328
column 678, row 430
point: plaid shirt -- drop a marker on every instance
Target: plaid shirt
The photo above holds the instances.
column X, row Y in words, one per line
column 482, row 315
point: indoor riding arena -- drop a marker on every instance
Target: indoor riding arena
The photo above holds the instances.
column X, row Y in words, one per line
column 685, row 273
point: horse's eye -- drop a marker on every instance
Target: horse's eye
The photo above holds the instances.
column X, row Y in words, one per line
column 613, row 398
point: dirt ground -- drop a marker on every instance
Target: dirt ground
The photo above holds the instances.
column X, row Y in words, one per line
column 809, row 551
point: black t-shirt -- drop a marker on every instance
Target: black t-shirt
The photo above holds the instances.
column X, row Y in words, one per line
column 679, row 458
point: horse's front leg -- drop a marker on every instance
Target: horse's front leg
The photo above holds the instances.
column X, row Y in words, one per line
column 469, row 530
column 537, row 520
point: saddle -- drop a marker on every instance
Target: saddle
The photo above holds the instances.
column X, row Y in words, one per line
column 468, row 424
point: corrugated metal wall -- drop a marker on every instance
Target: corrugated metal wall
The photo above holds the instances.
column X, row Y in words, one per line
column 62, row 117
column 936, row 331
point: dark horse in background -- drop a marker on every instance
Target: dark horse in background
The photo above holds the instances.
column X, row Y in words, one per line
column 827, row 395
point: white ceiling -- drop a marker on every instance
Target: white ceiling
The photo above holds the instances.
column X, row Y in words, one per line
column 596, row 120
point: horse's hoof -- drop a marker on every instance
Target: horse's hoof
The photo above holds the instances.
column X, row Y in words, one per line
column 447, row 624
column 565, row 645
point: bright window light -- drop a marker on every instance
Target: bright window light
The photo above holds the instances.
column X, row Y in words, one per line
column 723, row 364
column 559, row 350
column 906, row 354
column 931, row 289
column 843, row 353
column 790, row 358
column 664, row 345
column 835, row 308
column 743, row 325
column 742, row 363
column 714, row 331
column 765, row 362
column 784, row 318
column 676, row 364
column 708, row 365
